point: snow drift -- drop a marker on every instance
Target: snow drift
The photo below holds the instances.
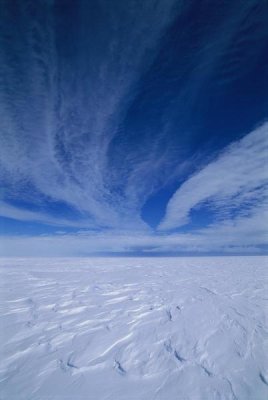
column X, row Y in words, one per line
column 137, row 329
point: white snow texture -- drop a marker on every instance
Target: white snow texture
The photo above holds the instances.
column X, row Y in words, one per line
column 134, row 329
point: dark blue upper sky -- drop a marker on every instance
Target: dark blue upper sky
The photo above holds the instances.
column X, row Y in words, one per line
column 133, row 126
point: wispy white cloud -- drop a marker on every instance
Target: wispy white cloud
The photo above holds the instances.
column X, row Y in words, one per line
column 61, row 106
column 88, row 244
column 20, row 214
column 244, row 234
column 64, row 109
column 238, row 178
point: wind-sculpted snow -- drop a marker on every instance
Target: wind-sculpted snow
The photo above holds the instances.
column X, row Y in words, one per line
column 137, row 329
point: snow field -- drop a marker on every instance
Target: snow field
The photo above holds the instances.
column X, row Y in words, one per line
column 134, row 329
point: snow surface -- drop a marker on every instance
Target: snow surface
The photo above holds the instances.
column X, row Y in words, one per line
column 141, row 329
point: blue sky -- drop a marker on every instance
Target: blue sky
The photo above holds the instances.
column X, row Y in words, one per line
column 133, row 127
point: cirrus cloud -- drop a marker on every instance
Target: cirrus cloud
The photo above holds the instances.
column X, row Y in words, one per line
column 238, row 178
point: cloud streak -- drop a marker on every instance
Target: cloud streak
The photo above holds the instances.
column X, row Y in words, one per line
column 105, row 107
column 245, row 235
column 236, row 179
column 64, row 99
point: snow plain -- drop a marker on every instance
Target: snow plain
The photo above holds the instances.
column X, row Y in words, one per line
column 134, row 329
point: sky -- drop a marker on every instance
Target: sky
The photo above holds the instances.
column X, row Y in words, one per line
column 133, row 127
